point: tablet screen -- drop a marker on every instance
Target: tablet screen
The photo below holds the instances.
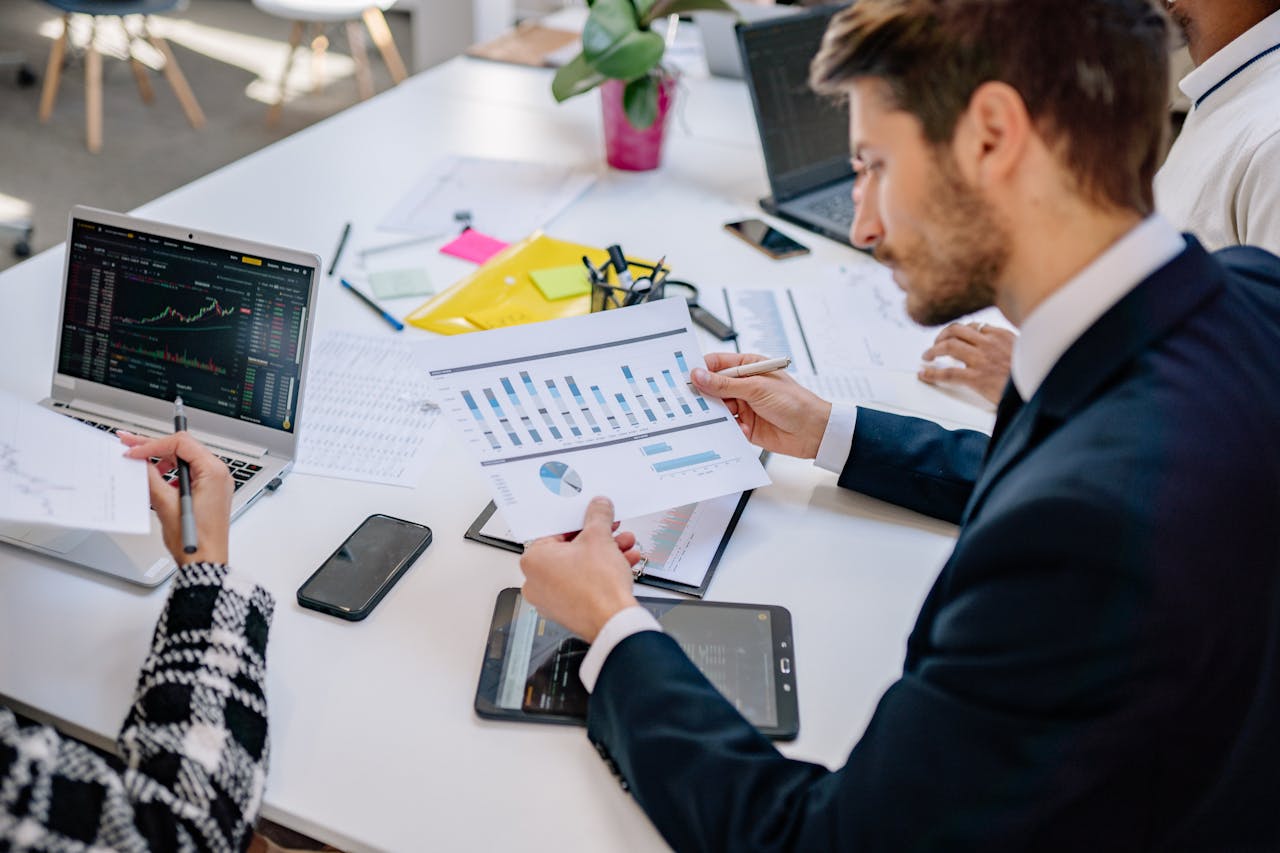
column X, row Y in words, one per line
column 739, row 648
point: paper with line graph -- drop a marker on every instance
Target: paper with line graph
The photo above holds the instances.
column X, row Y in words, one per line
column 56, row 471
column 561, row 411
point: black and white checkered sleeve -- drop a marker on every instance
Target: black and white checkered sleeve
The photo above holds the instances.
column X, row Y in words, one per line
column 193, row 747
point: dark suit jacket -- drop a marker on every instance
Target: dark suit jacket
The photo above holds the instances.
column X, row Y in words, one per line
column 1097, row 666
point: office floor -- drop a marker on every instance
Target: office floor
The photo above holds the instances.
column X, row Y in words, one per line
column 231, row 54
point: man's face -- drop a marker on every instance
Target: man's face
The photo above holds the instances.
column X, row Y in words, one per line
column 939, row 236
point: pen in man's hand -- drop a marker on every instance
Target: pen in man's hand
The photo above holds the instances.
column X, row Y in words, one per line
column 188, row 514
column 395, row 324
column 337, row 253
column 755, row 368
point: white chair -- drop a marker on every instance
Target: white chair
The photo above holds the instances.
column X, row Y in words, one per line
column 320, row 13
column 125, row 10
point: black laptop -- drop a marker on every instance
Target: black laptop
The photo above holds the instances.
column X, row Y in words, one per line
column 805, row 136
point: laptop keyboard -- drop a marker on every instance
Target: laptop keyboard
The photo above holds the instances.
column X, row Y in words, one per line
column 241, row 471
column 834, row 207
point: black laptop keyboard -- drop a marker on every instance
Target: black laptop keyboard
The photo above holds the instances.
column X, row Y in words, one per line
column 241, row 471
column 834, row 207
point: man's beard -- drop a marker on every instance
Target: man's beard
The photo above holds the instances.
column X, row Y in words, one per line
column 951, row 269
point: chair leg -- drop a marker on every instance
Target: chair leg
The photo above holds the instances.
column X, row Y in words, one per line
column 93, row 91
column 381, row 33
column 319, row 43
column 176, row 80
column 139, row 70
column 295, row 39
column 364, row 78
column 53, row 73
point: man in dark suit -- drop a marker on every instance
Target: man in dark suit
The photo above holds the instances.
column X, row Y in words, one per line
column 1098, row 663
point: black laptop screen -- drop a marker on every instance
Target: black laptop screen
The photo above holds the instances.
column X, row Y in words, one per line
column 805, row 136
column 165, row 317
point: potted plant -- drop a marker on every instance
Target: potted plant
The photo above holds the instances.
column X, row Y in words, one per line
column 623, row 56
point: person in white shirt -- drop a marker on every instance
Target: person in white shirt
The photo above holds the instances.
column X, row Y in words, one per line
column 1221, row 180
column 1096, row 666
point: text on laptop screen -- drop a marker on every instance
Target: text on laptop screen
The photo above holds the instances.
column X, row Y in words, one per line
column 166, row 317
column 805, row 136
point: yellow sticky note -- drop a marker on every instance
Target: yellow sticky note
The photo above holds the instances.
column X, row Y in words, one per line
column 562, row 282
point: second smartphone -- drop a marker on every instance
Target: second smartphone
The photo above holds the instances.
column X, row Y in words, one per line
column 356, row 576
column 766, row 238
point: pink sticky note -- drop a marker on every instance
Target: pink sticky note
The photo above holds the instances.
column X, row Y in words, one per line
column 473, row 246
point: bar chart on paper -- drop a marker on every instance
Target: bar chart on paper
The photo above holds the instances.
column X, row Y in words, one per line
column 561, row 411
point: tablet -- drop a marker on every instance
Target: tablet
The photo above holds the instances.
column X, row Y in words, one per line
column 530, row 669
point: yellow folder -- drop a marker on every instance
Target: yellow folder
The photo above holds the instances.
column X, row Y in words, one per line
column 502, row 293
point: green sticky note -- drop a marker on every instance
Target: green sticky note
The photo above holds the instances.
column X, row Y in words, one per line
column 392, row 284
column 562, row 282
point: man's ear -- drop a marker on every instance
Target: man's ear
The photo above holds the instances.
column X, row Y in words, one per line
column 991, row 135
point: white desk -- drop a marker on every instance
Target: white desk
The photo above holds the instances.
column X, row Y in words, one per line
column 374, row 744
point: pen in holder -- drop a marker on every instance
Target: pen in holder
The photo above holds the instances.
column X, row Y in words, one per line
column 624, row 290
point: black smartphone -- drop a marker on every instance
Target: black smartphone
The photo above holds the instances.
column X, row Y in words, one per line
column 766, row 238
column 356, row 576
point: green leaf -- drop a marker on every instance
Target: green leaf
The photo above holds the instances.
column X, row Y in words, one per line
column 643, row 7
column 608, row 22
column 575, row 78
column 633, row 56
column 662, row 8
column 614, row 44
column 640, row 101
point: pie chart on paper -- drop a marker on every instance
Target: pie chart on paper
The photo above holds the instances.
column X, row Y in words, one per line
column 560, row 479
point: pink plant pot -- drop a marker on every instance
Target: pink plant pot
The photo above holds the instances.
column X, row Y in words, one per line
column 628, row 148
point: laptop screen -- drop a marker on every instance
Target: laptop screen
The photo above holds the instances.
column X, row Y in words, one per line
column 165, row 317
column 805, row 136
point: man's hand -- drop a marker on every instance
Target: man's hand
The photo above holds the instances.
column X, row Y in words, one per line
column 986, row 352
column 582, row 579
column 211, row 490
column 774, row 411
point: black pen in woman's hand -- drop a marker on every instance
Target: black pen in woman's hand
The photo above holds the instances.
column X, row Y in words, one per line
column 188, row 515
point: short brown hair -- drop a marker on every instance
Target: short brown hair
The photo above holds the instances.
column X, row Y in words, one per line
column 1092, row 73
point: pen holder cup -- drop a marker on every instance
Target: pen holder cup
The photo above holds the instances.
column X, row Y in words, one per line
column 606, row 295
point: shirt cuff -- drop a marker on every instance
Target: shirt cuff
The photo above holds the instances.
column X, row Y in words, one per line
column 837, row 440
column 621, row 625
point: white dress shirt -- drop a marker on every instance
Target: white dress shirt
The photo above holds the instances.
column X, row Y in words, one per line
column 1221, row 180
column 1048, row 332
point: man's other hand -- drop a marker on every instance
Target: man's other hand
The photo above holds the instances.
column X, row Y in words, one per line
column 582, row 579
column 985, row 352
column 211, row 490
column 774, row 411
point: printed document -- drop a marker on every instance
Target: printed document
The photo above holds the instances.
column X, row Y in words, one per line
column 54, row 470
column 561, row 411
column 507, row 199
column 366, row 413
column 677, row 545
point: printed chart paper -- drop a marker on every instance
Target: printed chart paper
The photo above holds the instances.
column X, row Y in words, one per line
column 56, row 471
column 677, row 544
column 561, row 411
column 367, row 411
column 507, row 199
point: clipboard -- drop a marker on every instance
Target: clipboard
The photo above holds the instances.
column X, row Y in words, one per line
column 474, row 534
column 502, row 293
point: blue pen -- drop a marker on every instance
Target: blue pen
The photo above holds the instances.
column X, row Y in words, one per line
column 395, row 324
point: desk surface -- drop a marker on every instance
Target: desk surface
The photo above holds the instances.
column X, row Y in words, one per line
column 374, row 744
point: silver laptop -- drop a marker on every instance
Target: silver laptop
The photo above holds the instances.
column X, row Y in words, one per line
column 153, row 311
column 720, row 41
